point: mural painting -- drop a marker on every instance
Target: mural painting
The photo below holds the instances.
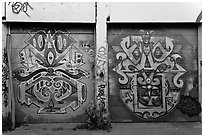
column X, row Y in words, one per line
column 149, row 73
column 53, row 73
column 148, row 66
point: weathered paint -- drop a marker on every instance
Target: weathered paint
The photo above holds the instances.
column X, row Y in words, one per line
column 50, row 11
column 5, row 72
column 101, row 67
column 154, row 11
column 150, row 67
column 6, row 99
column 43, row 12
column 119, row 12
column 8, row 105
column 200, row 63
column 3, row 9
column 52, row 72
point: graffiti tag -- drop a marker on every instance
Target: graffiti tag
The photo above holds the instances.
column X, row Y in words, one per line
column 101, row 77
column 18, row 7
column 101, row 94
column 101, row 57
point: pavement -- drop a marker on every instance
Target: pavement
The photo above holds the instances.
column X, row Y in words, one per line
column 179, row 128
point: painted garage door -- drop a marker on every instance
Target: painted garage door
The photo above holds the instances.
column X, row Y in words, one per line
column 151, row 68
column 52, row 71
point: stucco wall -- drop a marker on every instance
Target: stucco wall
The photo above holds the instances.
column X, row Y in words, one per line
column 50, row 11
column 118, row 11
column 154, row 11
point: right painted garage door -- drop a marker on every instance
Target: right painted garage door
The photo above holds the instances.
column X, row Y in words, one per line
column 153, row 73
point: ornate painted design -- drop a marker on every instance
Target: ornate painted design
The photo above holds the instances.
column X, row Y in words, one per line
column 51, row 72
column 150, row 80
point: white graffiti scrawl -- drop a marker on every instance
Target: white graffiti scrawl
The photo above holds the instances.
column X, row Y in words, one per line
column 101, row 78
column 51, row 72
column 150, row 75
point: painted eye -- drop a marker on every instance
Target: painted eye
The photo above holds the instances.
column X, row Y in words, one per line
column 136, row 53
column 162, row 67
column 158, row 53
column 34, row 42
column 50, row 58
column 59, row 42
column 40, row 42
column 83, row 92
column 64, row 42
column 78, row 60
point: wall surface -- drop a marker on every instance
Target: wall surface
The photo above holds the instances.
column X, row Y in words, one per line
column 5, row 73
column 73, row 37
column 50, row 11
column 118, row 12
column 101, row 66
column 154, row 11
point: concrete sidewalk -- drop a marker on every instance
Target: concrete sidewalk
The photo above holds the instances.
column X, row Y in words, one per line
column 181, row 128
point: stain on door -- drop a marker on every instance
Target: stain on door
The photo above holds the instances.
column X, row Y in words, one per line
column 52, row 67
column 149, row 69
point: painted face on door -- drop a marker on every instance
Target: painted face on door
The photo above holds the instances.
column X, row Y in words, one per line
column 146, row 44
column 51, row 72
column 149, row 74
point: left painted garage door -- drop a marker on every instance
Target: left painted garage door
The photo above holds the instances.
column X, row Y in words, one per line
column 52, row 71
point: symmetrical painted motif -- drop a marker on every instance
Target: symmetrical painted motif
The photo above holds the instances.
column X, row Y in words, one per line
column 149, row 80
column 51, row 72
